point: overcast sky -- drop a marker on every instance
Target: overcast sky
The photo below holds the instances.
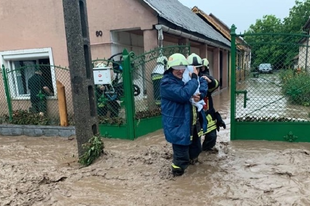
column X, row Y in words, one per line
column 242, row 13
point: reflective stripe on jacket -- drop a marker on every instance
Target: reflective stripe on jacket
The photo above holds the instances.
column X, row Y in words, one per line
column 211, row 124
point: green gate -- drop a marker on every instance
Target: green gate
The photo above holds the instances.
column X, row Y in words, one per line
column 273, row 101
column 138, row 110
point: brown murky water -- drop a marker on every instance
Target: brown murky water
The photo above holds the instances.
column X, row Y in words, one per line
column 44, row 171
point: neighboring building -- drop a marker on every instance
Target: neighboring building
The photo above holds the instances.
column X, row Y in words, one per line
column 243, row 58
column 33, row 32
column 303, row 59
column 243, row 51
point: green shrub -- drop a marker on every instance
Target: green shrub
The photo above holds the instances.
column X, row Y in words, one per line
column 24, row 117
column 296, row 86
column 93, row 149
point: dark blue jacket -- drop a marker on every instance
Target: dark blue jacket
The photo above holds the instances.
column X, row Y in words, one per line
column 176, row 107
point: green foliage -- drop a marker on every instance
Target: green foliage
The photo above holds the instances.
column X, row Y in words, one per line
column 139, row 115
column 111, row 120
column 265, row 47
column 24, row 117
column 278, row 50
column 298, row 16
column 93, row 149
column 149, row 113
column 269, row 23
column 296, row 87
column 294, row 23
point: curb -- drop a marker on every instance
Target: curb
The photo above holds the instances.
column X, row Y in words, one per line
column 36, row 130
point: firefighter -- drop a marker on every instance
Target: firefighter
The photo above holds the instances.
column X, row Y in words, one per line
column 179, row 117
column 213, row 117
column 157, row 75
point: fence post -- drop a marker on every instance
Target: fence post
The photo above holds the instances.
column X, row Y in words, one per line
column 233, row 82
column 7, row 93
column 62, row 104
column 128, row 91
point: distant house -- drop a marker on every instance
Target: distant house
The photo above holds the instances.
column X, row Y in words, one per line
column 304, row 52
column 34, row 33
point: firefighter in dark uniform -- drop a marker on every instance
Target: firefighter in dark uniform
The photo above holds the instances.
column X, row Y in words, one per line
column 157, row 75
column 213, row 117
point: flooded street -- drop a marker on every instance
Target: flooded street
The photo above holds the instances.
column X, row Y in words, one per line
column 265, row 99
column 44, row 171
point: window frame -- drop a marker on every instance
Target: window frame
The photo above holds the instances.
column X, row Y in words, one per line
column 8, row 57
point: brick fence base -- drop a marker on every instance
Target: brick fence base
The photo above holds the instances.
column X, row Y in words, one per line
column 36, row 130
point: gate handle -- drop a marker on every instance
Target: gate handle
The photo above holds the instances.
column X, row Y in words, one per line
column 244, row 92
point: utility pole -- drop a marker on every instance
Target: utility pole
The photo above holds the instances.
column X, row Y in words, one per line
column 81, row 74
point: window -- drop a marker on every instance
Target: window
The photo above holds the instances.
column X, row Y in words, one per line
column 28, row 60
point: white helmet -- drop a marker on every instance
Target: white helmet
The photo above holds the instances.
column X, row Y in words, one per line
column 176, row 60
column 194, row 60
column 162, row 60
column 205, row 62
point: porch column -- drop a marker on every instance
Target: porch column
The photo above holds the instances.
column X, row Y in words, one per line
column 204, row 51
column 183, row 41
column 225, row 69
column 150, row 39
column 216, row 63
column 150, row 42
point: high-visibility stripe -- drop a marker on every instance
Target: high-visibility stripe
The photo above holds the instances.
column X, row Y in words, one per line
column 200, row 133
column 211, row 124
column 215, row 87
column 194, row 115
column 157, row 77
column 174, row 166
column 210, row 129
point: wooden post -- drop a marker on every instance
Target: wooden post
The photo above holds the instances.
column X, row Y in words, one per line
column 62, row 104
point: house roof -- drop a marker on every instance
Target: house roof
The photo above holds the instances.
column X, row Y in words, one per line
column 219, row 26
column 176, row 13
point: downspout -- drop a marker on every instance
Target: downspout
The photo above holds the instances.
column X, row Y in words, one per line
column 160, row 37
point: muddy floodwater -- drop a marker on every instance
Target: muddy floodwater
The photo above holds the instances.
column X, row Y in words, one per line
column 44, row 171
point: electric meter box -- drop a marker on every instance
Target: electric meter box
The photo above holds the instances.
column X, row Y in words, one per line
column 102, row 75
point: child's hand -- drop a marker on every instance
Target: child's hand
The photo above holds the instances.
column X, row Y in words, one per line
column 207, row 79
column 196, row 97
column 192, row 70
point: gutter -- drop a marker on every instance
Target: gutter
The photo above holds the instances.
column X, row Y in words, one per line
column 160, row 28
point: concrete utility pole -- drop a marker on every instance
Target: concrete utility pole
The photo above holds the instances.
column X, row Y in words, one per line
column 81, row 73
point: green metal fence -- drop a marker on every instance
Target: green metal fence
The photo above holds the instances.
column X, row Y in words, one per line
column 27, row 100
column 273, row 102
column 146, row 74
column 126, row 91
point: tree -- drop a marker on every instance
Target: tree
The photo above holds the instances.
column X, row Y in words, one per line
column 294, row 23
column 298, row 16
column 275, row 41
column 260, row 37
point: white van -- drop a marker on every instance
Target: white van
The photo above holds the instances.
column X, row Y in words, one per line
column 265, row 67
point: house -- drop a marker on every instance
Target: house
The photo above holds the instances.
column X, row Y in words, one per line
column 303, row 56
column 34, row 33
